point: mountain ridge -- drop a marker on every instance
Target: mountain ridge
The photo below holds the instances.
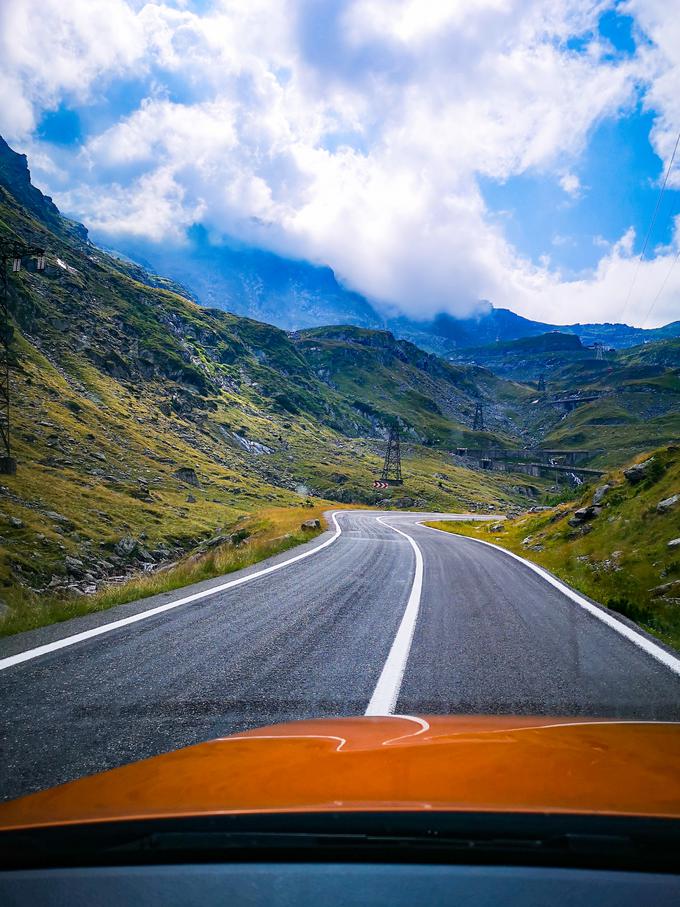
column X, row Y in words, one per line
column 297, row 295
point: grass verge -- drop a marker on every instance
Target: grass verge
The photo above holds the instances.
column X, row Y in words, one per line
column 264, row 533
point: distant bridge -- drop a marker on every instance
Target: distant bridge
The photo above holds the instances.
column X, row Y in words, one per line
column 528, row 454
column 571, row 401
column 532, row 461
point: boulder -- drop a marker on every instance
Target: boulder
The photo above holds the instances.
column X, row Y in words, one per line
column 216, row 540
column 666, row 589
column 600, row 492
column 191, row 499
column 58, row 517
column 187, row 474
column 584, row 515
column 126, row 546
column 673, row 544
column 16, row 522
column 638, row 472
column 74, row 566
column 310, row 525
column 668, row 503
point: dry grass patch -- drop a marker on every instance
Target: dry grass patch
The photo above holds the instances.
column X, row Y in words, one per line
column 255, row 537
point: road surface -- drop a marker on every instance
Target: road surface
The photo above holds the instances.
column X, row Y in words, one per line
column 381, row 614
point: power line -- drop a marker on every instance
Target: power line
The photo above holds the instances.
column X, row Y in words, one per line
column 651, row 226
column 661, row 288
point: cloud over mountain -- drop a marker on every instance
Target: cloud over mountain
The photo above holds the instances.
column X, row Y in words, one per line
column 354, row 133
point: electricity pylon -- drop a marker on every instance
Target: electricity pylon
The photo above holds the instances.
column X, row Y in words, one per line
column 11, row 254
column 478, row 424
column 391, row 471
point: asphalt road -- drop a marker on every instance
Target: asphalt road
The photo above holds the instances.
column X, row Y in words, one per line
column 410, row 621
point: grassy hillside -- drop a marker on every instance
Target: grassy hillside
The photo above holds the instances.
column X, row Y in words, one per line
column 144, row 425
column 638, row 406
column 436, row 400
column 618, row 552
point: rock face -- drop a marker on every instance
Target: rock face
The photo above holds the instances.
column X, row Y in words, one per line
column 600, row 492
column 125, row 546
column 15, row 175
column 668, row 504
column 187, row 475
column 671, row 589
column 309, row 525
column 638, row 472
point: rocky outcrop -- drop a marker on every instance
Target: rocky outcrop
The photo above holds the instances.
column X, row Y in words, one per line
column 666, row 590
column 584, row 515
column 187, row 474
column 599, row 493
column 668, row 503
column 638, row 472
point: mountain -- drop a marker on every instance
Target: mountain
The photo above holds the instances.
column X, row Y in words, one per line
column 446, row 335
column 623, row 403
column 145, row 425
column 257, row 284
column 295, row 295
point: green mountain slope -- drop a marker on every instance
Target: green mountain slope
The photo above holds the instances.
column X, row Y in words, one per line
column 384, row 378
column 633, row 395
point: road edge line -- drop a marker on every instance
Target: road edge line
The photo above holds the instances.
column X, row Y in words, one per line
column 660, row 654
column 386, row 692
column 66, row 641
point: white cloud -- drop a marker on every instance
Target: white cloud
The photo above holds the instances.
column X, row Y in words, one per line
column 358, row 144
column 571, row 184
column 661, row 24
column 51, row 49
column 620, row 286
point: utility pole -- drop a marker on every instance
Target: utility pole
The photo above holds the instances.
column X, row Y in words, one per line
column 391, row 471
column 11, row 255
column 478, row 424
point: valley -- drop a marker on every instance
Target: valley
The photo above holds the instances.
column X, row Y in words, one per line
column 160, row 441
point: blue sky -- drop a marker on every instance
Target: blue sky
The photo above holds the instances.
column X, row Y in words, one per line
column 434, row 153
column 619, row 173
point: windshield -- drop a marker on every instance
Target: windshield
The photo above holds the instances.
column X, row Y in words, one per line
column 339, row 384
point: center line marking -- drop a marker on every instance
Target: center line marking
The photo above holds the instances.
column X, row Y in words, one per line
column 384, row 698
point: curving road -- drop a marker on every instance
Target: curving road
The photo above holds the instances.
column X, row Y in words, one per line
column 379, row 615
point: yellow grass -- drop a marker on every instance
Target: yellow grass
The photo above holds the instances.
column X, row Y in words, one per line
column 270, row 531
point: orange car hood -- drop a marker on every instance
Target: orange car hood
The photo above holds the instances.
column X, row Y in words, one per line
column 391, row 763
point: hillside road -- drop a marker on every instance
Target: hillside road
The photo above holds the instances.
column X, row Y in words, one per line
column 380, row 614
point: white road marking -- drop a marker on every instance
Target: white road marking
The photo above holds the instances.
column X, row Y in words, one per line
column 384, row 698
column 651, row 648
column 29, row 654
